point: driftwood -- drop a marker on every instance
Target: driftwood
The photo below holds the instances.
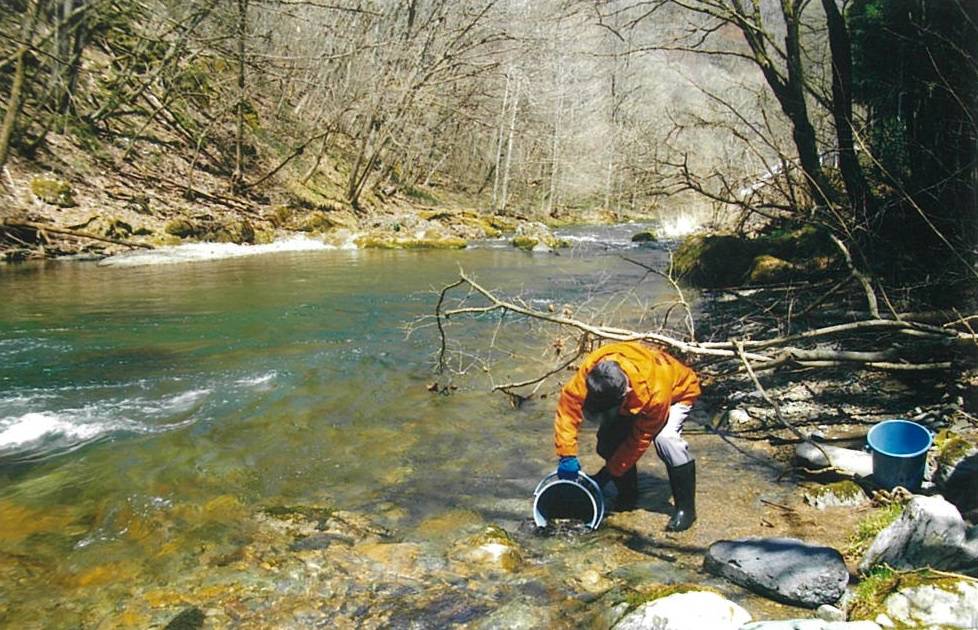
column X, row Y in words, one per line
column 43, row 229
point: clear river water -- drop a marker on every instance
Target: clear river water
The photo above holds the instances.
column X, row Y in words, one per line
column 148, row 412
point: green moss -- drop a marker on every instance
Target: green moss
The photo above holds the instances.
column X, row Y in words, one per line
column 53, row 191
column 951, row 448
column 420, row 195
column 493, row 534
column 634, row 599
column 714, row 260
column 869, row 527
column 503, row 224
column 181, row 228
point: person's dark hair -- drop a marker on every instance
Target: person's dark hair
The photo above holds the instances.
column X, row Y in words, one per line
column 606, row 386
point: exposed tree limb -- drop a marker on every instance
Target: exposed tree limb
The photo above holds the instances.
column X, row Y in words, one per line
column 41, row 229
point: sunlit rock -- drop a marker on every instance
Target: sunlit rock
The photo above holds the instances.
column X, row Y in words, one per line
column 56, row 192
column 956, row 472
column 785, row 569
column 929, row 533
column 686, row 611
column 944, row 603
column 858, row 463
column 536, row 237
column 768, row 269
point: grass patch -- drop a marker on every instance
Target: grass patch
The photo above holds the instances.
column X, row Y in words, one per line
column 869, row 527
column 876, row 586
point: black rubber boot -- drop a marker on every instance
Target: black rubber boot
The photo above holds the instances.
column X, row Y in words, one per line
column 627, row 486
column 602, row 477
column 683, row 481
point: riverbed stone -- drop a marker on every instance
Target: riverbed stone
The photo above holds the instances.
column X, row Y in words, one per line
column 785, row 569
column 810, row 624
column 952, row 605
column 686, row 611
column 645, row 236
column 827, row 612
column 493, row 548
column 929, row 533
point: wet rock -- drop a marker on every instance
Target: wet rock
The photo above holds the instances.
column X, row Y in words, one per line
column 319, row 541
column 930, row 532
column 401, row 558
column 948, row 605
column 516, row 615
column 785, row 569
column 686, row 611
column 493, row 548
column 810, row 624
column 768, row 269
column 840, row 494
column 536, row 237
column 422, row 241
column 53, row 191
column 646, row 236
column 858, row 463
column 232, row 231
column 189, row 619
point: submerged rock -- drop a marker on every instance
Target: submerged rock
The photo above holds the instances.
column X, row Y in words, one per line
column 929, row 533
column 646, row 236
column 785, row 569
column 493, row 548
column 189, row 619
column 686, row 611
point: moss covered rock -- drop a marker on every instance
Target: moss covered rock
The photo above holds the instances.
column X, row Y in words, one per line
column 839, row 494
column 232, row 231
column 182, row 227
column 714, row 260
column 767, row 269
column 389, row 241
column 646, row 236
column 536, row 237
column 53, row 191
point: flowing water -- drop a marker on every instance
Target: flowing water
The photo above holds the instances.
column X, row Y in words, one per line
column 148, row 411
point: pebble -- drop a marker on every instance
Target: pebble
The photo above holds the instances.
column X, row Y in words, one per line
column 827, row 612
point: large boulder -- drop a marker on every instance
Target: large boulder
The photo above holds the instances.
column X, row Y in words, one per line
column 767, row 269
column 785, row 569
column 951, row 604
column 929, row 533
column 686, row 611
column 839, row 494
column 714, row 260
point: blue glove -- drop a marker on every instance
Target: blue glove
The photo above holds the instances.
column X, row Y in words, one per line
column 568, row 467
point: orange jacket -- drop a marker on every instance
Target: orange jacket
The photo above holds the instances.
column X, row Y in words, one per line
column 656, row 380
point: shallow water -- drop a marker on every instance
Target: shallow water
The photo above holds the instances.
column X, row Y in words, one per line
column 148, row 412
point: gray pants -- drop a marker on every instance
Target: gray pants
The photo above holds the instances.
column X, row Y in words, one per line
column 669, row 444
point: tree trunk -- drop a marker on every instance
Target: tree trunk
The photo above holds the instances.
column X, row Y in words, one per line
column 15, row 101
column 504, row 188
column 852, row 173
column 499, row 147
column 238, row 175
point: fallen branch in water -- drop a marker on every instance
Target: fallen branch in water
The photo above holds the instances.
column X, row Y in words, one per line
column 43, row 229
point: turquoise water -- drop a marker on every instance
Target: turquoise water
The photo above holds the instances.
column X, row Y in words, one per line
column 144, row 410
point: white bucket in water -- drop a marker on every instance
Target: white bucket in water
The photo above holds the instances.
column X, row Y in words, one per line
column 580, row 499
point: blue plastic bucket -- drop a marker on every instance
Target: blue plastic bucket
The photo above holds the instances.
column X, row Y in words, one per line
column 899, row 453
column 578, row 499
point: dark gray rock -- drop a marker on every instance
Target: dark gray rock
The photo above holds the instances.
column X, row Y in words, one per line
column 784, row 569
column 188, row 619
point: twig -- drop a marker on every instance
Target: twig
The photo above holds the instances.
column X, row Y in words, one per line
column 563, row 366
column 441, row 330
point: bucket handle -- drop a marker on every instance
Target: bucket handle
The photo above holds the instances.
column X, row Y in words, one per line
column 580, row 476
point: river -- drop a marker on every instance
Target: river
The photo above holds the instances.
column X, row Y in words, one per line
column 148, row 410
